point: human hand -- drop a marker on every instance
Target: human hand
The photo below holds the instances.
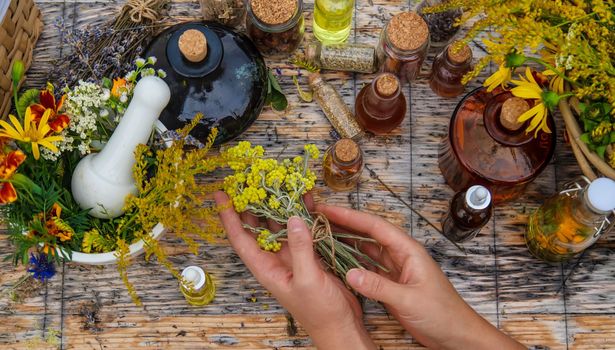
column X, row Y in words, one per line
column 318, row 300
column 415, row 290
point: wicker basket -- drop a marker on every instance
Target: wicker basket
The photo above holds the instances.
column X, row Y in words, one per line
column 589, row 162
column 20, row 29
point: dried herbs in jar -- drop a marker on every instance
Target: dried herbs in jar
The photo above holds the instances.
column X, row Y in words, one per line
column 275, row 27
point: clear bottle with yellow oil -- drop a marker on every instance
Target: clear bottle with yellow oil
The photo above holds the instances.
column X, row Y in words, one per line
column 571, row 221
column 332, row 20
column 197, row 287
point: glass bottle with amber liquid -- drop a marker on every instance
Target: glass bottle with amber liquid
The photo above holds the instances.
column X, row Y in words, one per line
column 197, row 286
column 381, row 106
column 343, row 165
column 571, row 221
column 469, row 211
column 448, row 69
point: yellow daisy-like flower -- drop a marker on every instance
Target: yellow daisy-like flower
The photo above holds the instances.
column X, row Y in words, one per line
column 36, row 135
column 528, row 88
column 556, row 82
column 500, row 78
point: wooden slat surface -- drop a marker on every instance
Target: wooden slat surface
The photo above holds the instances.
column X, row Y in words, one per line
column 88, row 308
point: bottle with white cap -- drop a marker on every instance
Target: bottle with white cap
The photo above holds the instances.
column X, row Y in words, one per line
column 469, row 211
column 197, row 286
column 571, row 221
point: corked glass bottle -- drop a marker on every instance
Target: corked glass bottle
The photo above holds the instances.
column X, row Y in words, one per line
column 403, row 45
column 275, row 27
column 202, row 289
column 448, row 69
column 342, row 57
column 343, row 165
column 335, row 108
column 441, row 25
column 381, row 106
column 469, row 211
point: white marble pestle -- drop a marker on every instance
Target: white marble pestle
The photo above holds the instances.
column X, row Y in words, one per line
column 102, row 181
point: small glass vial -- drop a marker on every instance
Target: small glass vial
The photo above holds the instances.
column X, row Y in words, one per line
column 343, row 165
column 571, row 221
column 228, row 12
column 275, row 27
column 335, row 109
column 469, row 211
column 381, row 106
column 199, row 289
column 448, row 69
column 403, row 45
column 342, row 57
column 441, row 25
column 332, row 20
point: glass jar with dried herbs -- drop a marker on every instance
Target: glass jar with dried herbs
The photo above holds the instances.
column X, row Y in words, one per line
column 441, row 25
column 228, row 12
column 359, row 58
column 275, row 27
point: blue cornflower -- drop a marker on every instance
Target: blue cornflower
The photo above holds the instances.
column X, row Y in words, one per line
column 41, row 268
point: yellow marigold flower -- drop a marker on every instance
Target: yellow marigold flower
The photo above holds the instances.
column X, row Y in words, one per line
column 37, row 134
column 527, row 88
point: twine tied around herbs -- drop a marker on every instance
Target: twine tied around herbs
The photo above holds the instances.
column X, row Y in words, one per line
column 321, row 230
column 142, row 9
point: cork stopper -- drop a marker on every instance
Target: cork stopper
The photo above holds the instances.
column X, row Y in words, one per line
column 459, row 54
column 274, row 12
column 193, row 45
column 346, row 150
column 511, row 110
column 407, row 31
column 387, row 84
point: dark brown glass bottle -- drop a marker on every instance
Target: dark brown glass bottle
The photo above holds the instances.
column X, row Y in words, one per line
column 448, row 69
column 381, row 106
column 469, row 211
column 486, row 146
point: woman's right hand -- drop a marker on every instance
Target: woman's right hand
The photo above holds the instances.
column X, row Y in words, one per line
column 415, row 290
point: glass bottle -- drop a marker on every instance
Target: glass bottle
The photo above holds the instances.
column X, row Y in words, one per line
column 275, row 27
column 228, row 12
column 486, row 146
column 448, row 69
column 334, row 107
column 441, row 25
column 469, row 211
column 343, row 165
column 332, row 20
column 403, row 45
column 381, row 106
column 342, row 57
column 198, row 288
column 571, row 221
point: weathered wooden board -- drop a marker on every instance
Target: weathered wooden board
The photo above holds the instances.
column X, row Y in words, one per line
column 88, row 307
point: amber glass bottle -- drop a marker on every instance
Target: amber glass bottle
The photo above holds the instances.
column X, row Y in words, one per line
column 343, row 165
column 448, row 69
column 487, row 146
column 469, row 211
column 381, row 106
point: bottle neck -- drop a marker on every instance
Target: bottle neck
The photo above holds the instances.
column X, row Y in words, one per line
column 453, row 66
column 375, row 103
column 342, row 164
column 584, row 212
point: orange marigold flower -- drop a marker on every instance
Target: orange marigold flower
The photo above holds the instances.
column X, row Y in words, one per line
column 57, row 121
column 119, row 87
column 8, row 165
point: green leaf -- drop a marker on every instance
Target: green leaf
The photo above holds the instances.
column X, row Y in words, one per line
column 612, row 137
column 278, row 101
column 275, row 95
column 600, row 151
column 107, row 83
column 585, row 138
column 26, row 99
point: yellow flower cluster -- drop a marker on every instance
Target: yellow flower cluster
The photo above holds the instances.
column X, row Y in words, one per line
column 268, row 242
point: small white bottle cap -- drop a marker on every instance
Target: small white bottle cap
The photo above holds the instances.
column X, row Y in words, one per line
column 601, row 194
column 196, row 275
column 478, row 197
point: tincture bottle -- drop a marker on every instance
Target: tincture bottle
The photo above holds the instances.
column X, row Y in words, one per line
column 469, row 211
column 342, row 57
column 448, row 69
column 275, row 27
column 570, row 222
column 198, row 288
column 343, row 165
column 381, row 106
column 335, row 108
column 332, row 20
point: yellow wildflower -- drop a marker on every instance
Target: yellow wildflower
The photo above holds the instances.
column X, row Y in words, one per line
column 36, row 135
column 500, row 78
column 556, row 82
column 528, row 88
column 312, row 151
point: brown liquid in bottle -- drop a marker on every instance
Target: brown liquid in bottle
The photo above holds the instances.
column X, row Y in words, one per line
column 343, row 165
column 469, row 211
column 480, row 150
column 381, row 106
column 448, row 69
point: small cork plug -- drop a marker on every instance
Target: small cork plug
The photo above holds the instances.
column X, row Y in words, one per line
column 459, row 53
column 387, row 84
column 407, row 31
column 511, row 110
column 193, row 45
column 274, row 12
column 346, row 150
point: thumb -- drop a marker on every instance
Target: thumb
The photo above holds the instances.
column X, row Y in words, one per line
column 374, row 286
column 301, row 247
